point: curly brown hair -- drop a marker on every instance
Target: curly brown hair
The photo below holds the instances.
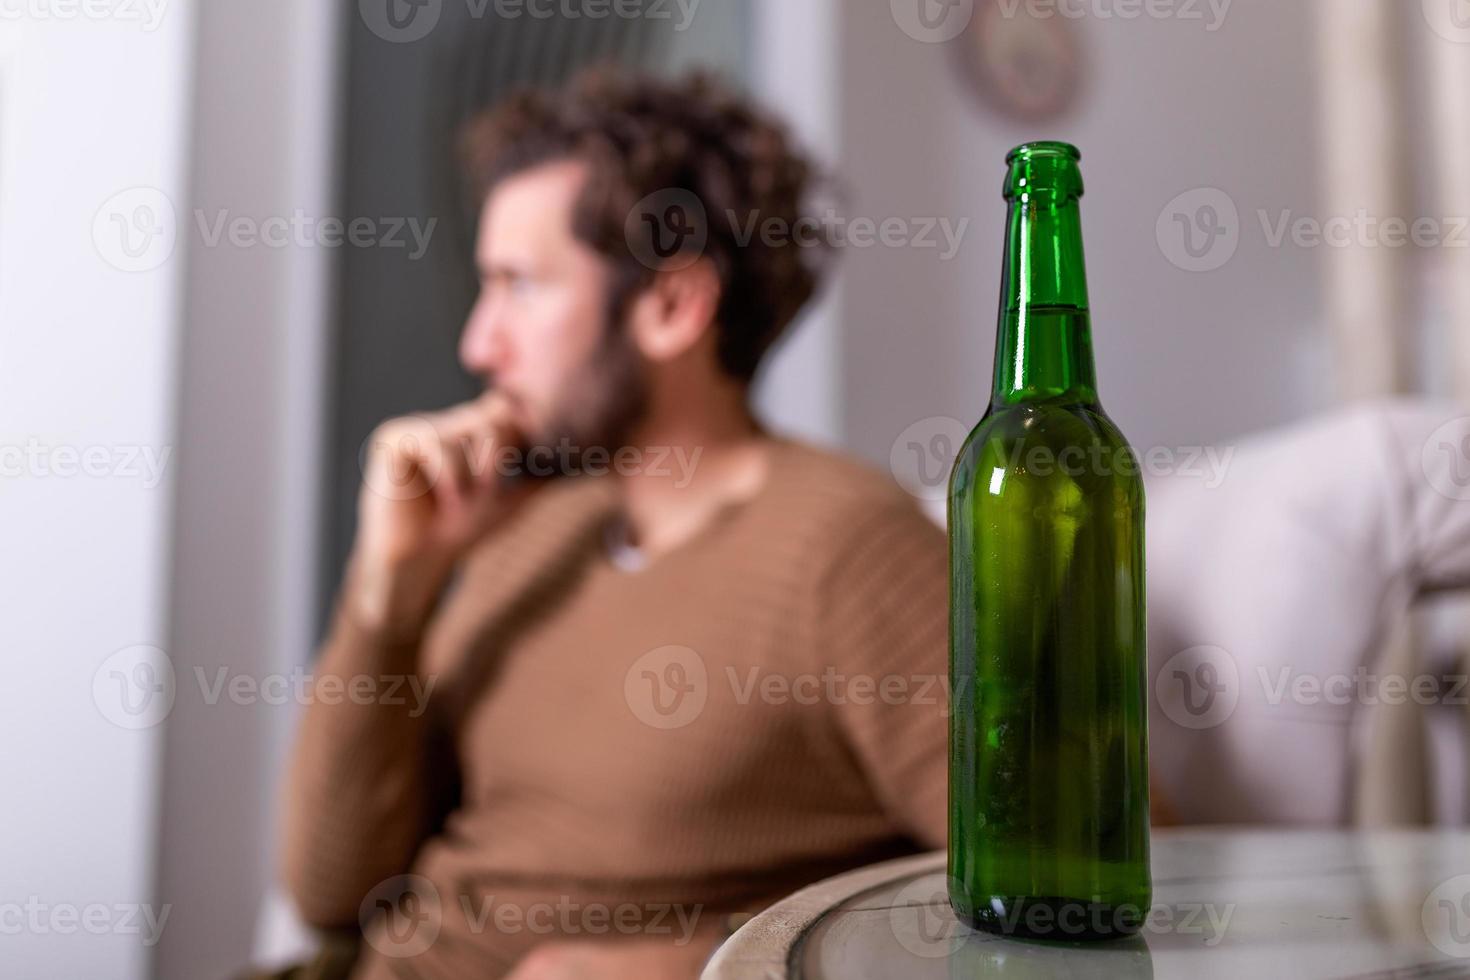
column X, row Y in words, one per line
column 646, row 137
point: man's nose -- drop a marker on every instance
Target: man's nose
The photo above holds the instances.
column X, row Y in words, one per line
column 482, row 347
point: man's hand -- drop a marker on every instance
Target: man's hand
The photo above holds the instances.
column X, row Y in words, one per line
column 431, row 489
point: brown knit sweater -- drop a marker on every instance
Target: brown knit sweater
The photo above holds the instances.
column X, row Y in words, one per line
column 609, row 752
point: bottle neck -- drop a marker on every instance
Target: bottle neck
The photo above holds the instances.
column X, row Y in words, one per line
column 1044, row 340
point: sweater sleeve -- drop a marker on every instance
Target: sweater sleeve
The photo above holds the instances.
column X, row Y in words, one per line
column 883, row 621
column 359, row 791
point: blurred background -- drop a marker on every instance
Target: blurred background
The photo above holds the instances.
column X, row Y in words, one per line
column 233, row 239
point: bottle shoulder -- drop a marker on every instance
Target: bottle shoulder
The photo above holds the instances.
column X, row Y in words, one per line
column 1048, row 423
column 1046, row 441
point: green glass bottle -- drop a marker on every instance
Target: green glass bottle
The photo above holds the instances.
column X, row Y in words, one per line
column 1048, row 793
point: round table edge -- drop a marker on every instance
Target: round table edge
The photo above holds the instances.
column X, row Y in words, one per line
column 749, row 954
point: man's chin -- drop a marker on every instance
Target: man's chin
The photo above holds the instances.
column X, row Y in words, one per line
column 543, row 459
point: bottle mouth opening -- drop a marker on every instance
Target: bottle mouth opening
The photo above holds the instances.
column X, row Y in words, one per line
column 1043, row 173
column 1044, row 149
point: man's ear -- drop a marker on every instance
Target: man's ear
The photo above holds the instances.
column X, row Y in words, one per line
column 676, row 311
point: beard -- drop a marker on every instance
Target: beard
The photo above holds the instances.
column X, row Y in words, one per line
column 602, row 404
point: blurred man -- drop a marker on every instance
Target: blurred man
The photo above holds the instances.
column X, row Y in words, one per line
column 655, row 665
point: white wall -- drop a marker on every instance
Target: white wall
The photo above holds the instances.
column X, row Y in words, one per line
column 252, row 376
column 88, row 108
column 795, row 70
column 1166, row 106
